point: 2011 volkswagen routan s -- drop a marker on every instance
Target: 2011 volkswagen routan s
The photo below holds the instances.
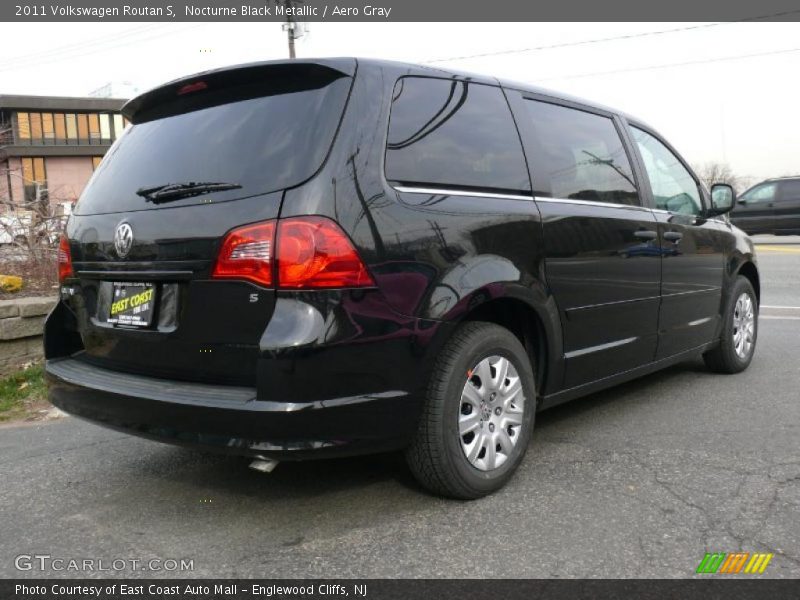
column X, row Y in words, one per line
column 293, row 260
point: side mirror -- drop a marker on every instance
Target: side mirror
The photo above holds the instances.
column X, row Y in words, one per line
column 722, row 199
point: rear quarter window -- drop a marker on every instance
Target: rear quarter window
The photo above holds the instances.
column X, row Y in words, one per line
column 453, row 134
column 790, row 190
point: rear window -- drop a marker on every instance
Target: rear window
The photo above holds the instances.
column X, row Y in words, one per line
column 453, row 134
column 263, row 136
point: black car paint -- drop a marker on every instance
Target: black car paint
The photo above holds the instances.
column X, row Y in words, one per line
column 344, row 371
column 779, row 216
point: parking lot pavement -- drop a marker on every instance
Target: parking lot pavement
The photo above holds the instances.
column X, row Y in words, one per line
column 781, row 240
column 637, row 481
column 779, row 263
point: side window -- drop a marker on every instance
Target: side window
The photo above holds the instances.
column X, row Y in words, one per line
column 453, row 134
column 584, row 155
column 761, row 193
column 674, row 188
column 790, row 190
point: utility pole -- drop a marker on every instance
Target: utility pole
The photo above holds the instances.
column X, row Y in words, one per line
column 293, row 29
column 290, row 25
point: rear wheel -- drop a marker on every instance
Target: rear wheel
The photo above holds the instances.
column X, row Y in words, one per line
column 739, row 331
column 478, row 416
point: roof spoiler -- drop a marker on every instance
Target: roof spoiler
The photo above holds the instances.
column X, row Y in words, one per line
column 240, row 82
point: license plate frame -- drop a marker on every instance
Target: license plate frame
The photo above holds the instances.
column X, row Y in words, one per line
column 133, row 304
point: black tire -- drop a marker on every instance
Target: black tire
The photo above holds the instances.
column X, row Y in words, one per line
column 723, row 358
column 435, row 456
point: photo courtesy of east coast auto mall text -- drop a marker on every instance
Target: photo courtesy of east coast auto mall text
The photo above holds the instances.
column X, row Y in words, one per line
column 311, row 299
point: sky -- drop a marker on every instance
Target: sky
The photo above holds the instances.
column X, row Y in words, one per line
column 719, row 92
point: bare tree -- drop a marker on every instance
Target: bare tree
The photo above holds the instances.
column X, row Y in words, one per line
column 29, row 233
column 32, row 224
column 715, row 172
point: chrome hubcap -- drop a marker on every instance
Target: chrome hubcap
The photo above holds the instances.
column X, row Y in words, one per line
column 490, row 417
column 744, row 325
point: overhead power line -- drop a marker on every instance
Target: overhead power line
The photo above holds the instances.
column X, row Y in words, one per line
column 76, row 45
column 577, row 43
column 89, row 47
column 671, row 65
column 623, row 37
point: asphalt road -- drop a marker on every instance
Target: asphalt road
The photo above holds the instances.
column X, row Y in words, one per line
column 637, row 481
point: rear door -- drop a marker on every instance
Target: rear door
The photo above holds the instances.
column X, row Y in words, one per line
column 755, row 209
column 602, row 251
column 787, row 207
column 693, row 248
column 144, row 296
column 455, row 160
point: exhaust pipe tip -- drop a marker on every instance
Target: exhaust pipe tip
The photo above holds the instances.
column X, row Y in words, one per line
column 264, row 465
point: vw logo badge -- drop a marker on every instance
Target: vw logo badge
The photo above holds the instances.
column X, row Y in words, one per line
column 123, row 239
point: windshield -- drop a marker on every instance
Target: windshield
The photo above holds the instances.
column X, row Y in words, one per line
column 260, row 144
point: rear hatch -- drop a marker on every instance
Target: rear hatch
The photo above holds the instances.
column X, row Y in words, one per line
column 204, row 155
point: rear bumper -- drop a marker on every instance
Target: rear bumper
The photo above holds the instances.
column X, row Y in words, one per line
column 231, row 419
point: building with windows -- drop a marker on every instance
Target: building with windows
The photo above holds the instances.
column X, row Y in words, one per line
column 50, row 146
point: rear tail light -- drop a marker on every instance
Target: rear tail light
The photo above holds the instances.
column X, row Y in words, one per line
column 246, row 253
column 64, row 259
column 304, row 253
column 313, row 252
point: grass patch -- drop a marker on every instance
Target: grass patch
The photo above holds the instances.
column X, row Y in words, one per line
column 22, row 393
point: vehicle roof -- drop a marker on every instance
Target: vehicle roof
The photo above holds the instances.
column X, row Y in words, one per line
column 482, row 78
column 781, row 178
column 347, row 64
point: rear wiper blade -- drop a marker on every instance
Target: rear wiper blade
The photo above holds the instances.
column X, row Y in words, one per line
column 175, row 191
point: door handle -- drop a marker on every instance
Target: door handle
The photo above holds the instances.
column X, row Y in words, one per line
column 645, row 234
column 673, row 236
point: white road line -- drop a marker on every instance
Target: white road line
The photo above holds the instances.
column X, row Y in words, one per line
column 781, row 307
column 779, row 318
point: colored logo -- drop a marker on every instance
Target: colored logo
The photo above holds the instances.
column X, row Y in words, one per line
column 734, row 562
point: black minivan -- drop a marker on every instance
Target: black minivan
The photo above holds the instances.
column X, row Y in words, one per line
column 313, row 258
